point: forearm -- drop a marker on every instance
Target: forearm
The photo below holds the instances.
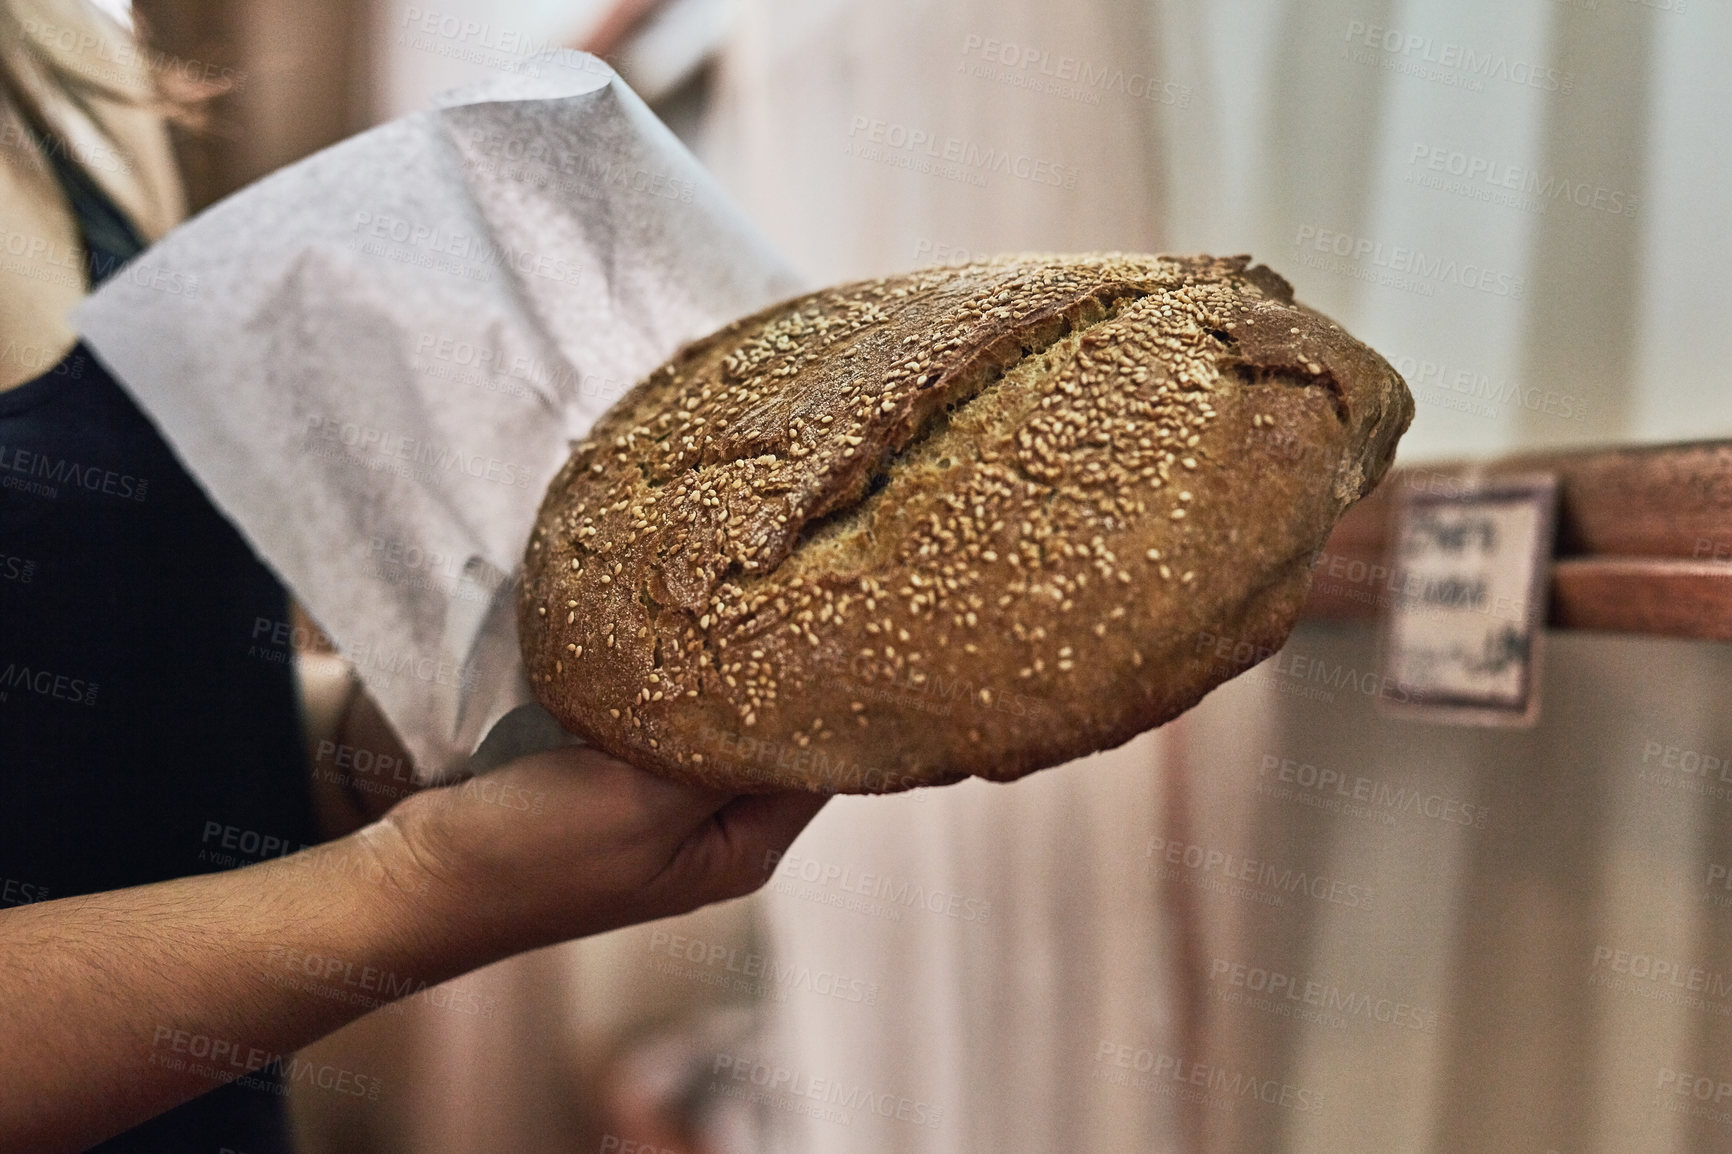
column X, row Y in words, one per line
column 116, row 1006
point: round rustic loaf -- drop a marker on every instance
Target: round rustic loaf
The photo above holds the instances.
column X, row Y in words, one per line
column 967, row 521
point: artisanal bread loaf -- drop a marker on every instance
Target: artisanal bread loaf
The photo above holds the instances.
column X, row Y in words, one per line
column 967, row 521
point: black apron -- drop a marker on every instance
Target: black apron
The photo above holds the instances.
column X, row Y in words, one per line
column 149, row 723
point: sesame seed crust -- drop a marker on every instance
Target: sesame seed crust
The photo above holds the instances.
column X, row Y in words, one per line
column 966, row 521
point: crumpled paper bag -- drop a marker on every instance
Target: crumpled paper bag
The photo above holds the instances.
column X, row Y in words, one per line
column 375, row 360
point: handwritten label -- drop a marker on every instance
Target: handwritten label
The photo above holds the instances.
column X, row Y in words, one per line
column 1472, row 568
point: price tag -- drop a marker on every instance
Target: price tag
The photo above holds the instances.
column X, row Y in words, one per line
column 1461, row 637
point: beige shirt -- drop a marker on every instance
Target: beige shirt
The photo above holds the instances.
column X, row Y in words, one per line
column 123, row 145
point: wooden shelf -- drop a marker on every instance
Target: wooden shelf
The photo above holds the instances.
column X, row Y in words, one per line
column 1644, row 539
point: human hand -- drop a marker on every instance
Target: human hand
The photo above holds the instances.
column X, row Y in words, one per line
column 100, row 991
column 570, row 842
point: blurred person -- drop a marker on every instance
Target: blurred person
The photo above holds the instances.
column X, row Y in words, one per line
column 141, row 741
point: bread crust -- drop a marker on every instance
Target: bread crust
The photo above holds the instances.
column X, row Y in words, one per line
column 967, row 521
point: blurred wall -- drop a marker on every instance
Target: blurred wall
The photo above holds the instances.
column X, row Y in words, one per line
column 1533, row 241
column 1522, row 206
column 286, row 85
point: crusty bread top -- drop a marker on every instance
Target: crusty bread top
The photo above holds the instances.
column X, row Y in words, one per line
column 801, row 489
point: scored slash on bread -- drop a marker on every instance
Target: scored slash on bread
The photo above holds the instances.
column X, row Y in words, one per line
column 976, row 520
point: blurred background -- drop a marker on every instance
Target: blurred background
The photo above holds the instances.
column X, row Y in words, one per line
column 1522, row 204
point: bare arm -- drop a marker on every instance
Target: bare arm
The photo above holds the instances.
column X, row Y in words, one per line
column 116, row 1006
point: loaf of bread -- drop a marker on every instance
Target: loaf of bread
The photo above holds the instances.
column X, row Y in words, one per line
column 967, row 521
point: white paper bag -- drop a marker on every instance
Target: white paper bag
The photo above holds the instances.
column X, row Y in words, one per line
column 375, row 360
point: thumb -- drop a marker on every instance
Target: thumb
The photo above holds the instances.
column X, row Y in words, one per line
column 736, row 851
